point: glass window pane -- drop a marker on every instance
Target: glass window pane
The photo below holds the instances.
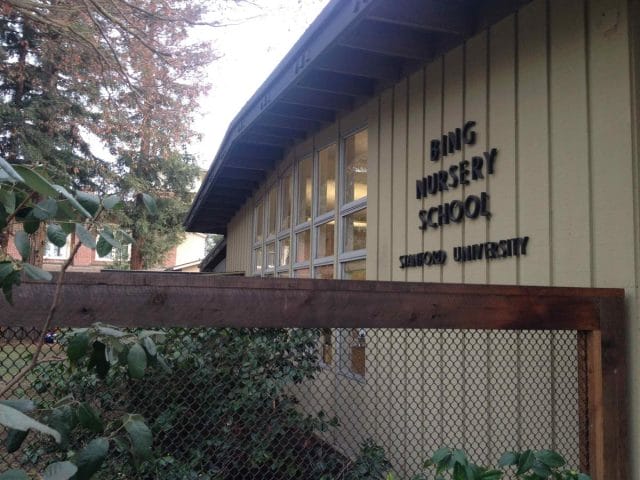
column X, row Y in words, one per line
column 259, row 223
column 283, row 275
column 285, row 252
column 257, row 260
column 303, row 246
column 355, row 231
column 356, row 149
column 273, row 207
column 286, row 193
column 327, row 179
column 324, row 272
column 325, row 239
column 302, row 273
column 305, row 169
column 356, row 270
column 270, row 250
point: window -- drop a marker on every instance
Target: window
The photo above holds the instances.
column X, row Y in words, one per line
column 325, row 235
column 286, row 205
column 303, row 246
column 284, row 247
column 355, row 166
column 305, row 190
column 312, row 223
column 272, row 213
column 116, row 255
column 270, row 257
column 54, row 252
column 326, row 180
column 259, row 223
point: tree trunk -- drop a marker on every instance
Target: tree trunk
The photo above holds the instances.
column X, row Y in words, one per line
column 38, row 243
column 137, row 260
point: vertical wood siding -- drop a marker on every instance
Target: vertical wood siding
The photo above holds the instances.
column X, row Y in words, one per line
column 552, row 88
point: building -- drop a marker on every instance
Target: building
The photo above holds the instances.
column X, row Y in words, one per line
column 490, row 142
column 184, row 257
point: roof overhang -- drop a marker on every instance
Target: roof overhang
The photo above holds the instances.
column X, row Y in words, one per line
column 352, row 51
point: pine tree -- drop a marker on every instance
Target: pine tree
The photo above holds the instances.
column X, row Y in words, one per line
column 124, row 71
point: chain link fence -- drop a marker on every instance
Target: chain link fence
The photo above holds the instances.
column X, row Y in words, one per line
column 324, row 404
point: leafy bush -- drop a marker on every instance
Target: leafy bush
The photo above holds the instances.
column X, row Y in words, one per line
column 451, row 464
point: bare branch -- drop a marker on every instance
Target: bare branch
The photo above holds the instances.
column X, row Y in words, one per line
column 45, row 327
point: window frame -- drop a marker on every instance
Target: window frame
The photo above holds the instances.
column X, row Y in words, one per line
column 341, row 358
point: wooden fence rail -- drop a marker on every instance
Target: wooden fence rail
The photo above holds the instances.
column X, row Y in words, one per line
column 144, row 299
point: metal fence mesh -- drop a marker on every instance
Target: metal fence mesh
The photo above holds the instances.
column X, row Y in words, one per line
column 322, row 404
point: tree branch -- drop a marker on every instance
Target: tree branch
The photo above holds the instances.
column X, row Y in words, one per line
column 47, row 323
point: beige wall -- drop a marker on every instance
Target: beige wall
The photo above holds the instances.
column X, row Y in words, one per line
column 553, row 89
column 550, row 89
column 191, row 249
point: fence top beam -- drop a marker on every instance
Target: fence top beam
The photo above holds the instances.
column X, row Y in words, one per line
column 149, row 299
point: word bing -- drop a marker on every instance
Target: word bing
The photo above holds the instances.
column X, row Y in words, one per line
column 461, row 173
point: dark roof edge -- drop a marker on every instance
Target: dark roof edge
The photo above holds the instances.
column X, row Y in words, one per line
column 218, row 251
column 328, row 14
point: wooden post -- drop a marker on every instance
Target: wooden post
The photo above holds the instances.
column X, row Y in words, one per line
column 607, row 392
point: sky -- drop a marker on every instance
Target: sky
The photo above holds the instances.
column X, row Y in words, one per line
column 250, row 49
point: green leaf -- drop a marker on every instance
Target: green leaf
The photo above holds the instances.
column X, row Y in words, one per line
column 110, row 331
column 31, row 224
column 103, row 248
column 90, row 458
column 6, row 268
column 459, row 472
column 540, row 469
column 56, row 235
column 23, row 405
column 126, row 238
column 149, row 346
column 9, row 171
column 37, row 182
column 85, row 236
column 525, row 462
column 491, row 475
column 15, row 439
column 74, row 203
column 507, row 459
column 14, row 475
column 36, row 273
column 550, row 458
column 78, row 347
column 89, row 418
column 8, row 201
column 139, row 435
column 150, row 203
column 68, row 227
column 59, row 471
column 21, row 241
column 89, row 201
column 11, row 280
column 15, row 419
column 583, row 476
column 46, row 209
column 163, row 363
column 136, row 361
column 99, row 359
column 111, row 202
column 440, row 455
column 459, row 457
column 63, row 420
column 107, row 234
